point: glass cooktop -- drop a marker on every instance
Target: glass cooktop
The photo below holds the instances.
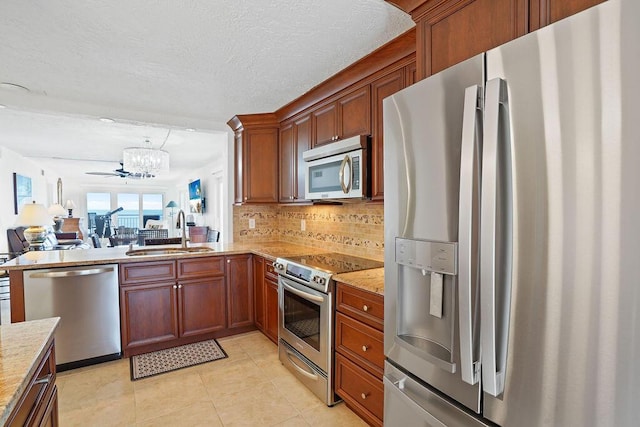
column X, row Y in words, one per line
column 335, row 263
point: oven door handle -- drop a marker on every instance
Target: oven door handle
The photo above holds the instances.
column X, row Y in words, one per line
column 299, row 368
column 302, row 294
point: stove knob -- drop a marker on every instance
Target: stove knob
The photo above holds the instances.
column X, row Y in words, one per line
column 319, row 280
column 278, row 266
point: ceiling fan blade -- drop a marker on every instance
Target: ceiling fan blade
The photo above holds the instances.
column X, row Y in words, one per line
column 103, row 173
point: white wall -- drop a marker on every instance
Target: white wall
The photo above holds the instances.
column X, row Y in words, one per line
column 43, row 183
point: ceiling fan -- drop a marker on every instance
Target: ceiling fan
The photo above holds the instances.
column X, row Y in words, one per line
column 122, row 173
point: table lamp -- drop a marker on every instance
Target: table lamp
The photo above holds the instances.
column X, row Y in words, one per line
column 70, row 206
column 57, row 212
column 36, row 218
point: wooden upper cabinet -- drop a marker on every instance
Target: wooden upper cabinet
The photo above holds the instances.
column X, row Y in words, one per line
column 256, row 150
column 451, row 31
column 545, row 12
column 354, row 113
column 325, row 121
column 380, row 89
column 347, row 116
column 239, row 168
column 295, row 139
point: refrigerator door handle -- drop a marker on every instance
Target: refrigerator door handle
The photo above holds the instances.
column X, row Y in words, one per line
column 468, row 232
column 495, row 237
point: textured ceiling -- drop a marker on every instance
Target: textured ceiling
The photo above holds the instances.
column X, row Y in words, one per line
column 171, row 63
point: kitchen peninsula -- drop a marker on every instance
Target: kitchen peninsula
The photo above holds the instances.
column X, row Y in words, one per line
column 28, row 393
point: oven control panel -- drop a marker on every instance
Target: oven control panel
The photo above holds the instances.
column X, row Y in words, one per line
column 314, row 278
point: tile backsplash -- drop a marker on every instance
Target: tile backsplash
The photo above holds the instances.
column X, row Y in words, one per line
column 354, row 229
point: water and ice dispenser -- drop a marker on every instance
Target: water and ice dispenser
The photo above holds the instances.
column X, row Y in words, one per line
column 426, row 315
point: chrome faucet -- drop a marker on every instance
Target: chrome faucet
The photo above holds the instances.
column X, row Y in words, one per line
column 183, row 226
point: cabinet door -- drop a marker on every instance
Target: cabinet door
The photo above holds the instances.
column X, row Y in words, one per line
column 148, row 314
column 258, row 291
column 239, row 167
column 355, row 113
column 302, row 138
column 287, row 160
column 325, row 123
column 201, row 306
column 271, row 308
column 261, row 166
column 381, row 88
column 456, row 30
column 545, row 12
column 239, row 291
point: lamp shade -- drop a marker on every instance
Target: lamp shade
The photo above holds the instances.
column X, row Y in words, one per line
column 56, row 210
column 69, row 204
column 172, row 204
column 34, row 214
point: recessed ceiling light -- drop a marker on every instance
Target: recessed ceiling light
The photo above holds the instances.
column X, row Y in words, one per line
column 190, row 129
column 14, row 87
column 106, row 120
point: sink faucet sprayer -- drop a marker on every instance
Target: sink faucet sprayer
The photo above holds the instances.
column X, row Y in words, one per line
column 183, row 227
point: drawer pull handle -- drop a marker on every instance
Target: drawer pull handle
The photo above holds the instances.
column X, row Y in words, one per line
column 365, row 308
column 43, row 380
column 175, row 286
column 365, row 347
column 364, row 395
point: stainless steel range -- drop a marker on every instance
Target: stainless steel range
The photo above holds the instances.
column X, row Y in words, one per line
column 305, row 318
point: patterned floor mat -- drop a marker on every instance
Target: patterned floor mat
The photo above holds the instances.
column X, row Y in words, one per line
column 159, row 362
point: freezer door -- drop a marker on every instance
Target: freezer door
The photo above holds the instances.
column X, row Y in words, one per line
column 566, row 341
column 423, row 130
column 410, row 403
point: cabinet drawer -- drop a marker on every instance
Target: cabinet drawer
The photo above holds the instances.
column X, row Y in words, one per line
column 362, row 391
column 364, row 344
column 365, row 306
column 199, row 267
column 31, row 407
column 144, row 272
column 269, row 271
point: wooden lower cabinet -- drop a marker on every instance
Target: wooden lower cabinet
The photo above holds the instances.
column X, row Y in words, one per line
column 265, row 285
column 38, row 404
column 239, row 291
column 359, row 343
column 201, row 306
column 258, row 292
column 361, row 391
column 271, row 310
column 169, row 303
column 149, row 314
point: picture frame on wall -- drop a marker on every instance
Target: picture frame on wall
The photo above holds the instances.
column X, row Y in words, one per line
column 22, row 192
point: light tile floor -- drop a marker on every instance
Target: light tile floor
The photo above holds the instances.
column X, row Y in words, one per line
column 249, row 388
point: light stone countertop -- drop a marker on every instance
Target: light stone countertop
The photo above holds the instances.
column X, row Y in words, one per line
column 22, row 347
column 368, row 280
column 95, row 256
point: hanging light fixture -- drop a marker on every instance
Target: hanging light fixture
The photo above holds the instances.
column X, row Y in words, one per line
column 146, row 161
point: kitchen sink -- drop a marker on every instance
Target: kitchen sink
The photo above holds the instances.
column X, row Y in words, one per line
column 167, row 251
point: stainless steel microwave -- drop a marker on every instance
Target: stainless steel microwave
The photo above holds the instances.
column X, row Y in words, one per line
column 338, row 171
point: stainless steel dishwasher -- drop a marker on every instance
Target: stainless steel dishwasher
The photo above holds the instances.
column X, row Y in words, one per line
column 86, row 300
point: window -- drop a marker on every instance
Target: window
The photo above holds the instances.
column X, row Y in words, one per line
column 131, row 216
column 151, row 207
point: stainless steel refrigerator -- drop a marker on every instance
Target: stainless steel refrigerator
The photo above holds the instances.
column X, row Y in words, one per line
column 512, row 232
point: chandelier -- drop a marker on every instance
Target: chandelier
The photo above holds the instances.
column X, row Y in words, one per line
column 145, row 162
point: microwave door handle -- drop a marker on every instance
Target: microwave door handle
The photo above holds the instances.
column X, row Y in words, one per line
column 468, row 233
column 346, row 161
